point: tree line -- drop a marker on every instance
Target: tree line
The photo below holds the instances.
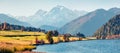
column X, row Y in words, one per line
column 7, row 26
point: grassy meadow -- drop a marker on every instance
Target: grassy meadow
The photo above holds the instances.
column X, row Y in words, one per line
column 23, row 40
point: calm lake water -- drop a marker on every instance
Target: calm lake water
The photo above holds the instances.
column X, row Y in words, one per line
column 93, row 46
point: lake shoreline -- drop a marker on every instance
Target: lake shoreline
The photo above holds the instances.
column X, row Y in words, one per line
column 82, row 46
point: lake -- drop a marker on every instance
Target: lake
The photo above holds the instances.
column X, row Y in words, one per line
column 91, row 46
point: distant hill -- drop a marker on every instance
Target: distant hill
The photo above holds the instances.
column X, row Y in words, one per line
column 11, row 20
column 47, row 27
column 90, row 22
column 112, row 27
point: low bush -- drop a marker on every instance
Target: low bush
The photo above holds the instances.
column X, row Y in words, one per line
column 6, row 50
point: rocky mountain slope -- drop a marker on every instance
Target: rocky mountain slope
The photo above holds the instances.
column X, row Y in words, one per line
column 112, row 27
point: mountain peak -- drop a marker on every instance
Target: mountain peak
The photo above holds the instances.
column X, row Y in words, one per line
column 40, row 12
column 115, row 8
column 100, row 10
column 60, row 10
column 60, row 7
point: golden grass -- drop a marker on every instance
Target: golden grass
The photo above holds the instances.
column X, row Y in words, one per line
column 18, row 32
column 19, row 43
column 9, row 47
column 25, row 43
column 26, row 39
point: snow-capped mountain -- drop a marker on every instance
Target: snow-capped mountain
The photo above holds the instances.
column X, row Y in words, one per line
column 57, row 17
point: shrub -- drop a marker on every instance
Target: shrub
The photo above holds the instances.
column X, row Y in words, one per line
column 49, row 37
column 66, row 37
column 6, row 50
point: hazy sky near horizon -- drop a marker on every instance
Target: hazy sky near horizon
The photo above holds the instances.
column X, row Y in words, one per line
column 29, row 7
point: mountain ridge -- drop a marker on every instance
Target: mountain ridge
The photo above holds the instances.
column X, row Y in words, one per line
column 11, row 20
column 89, row 23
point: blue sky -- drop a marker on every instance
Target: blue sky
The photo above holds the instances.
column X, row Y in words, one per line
column 29, row 7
